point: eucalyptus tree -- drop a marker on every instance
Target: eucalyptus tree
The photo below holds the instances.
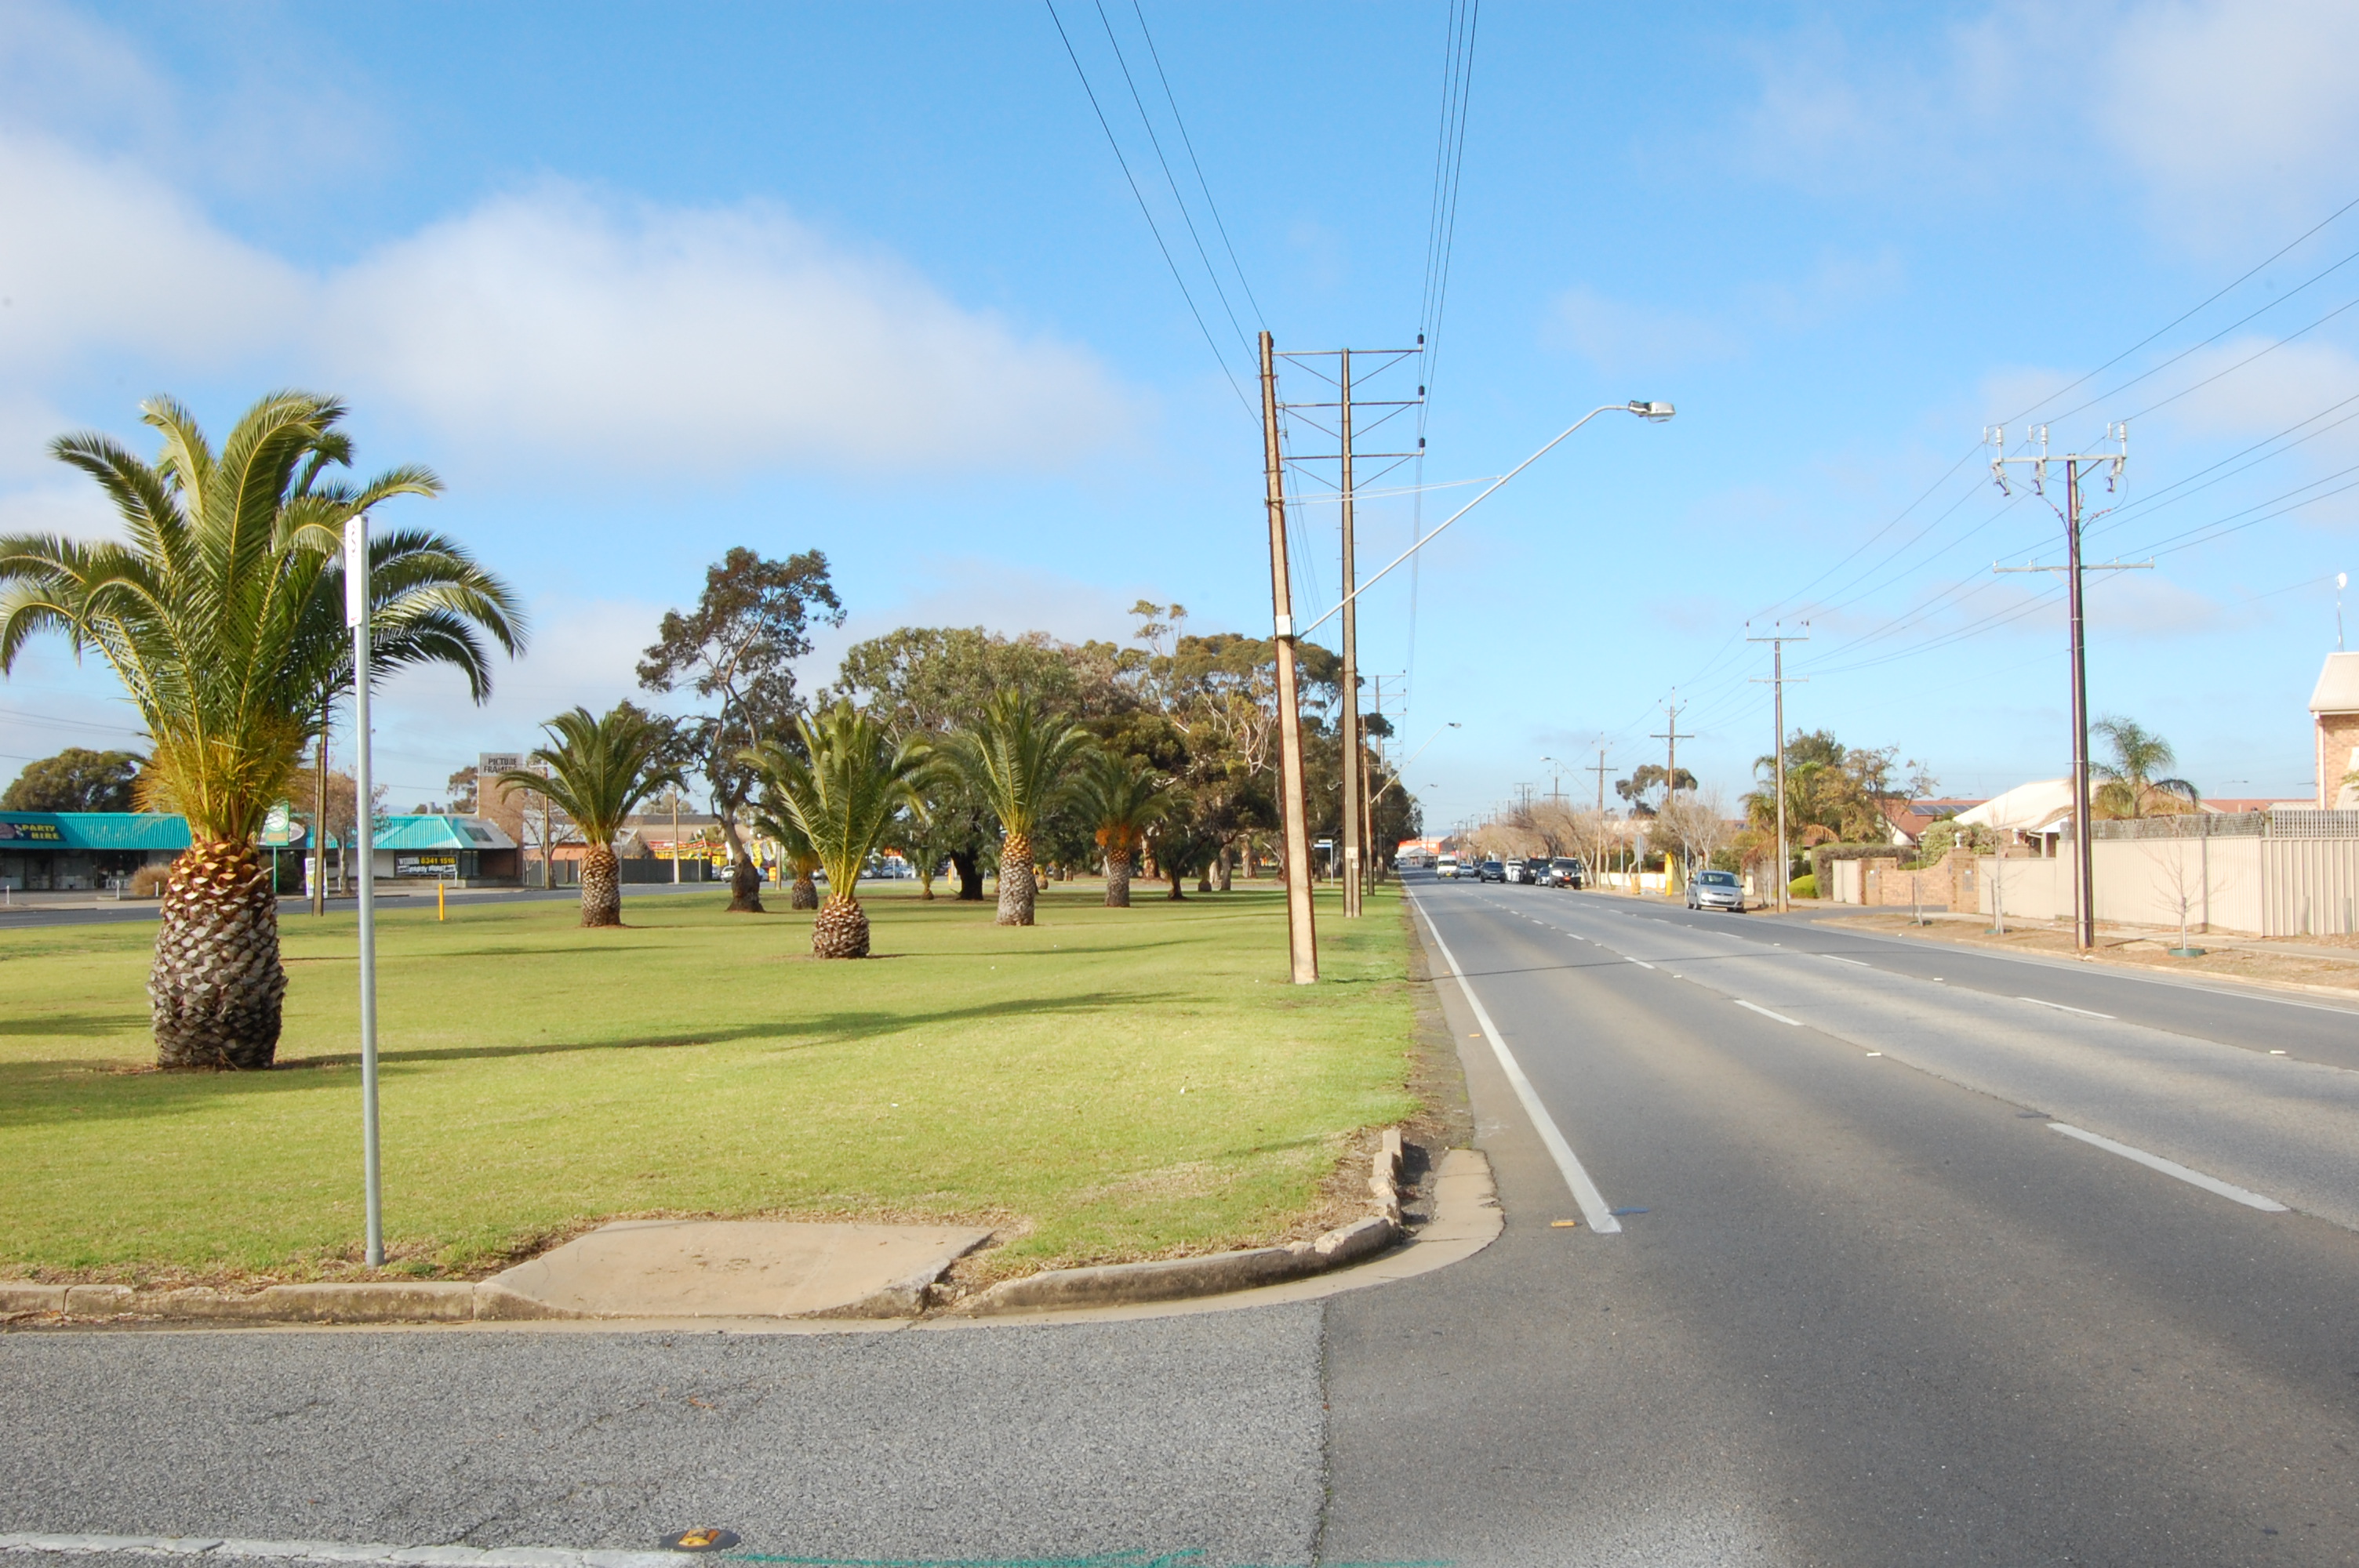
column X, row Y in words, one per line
column 1021, row 761
column 736, row 650
column 222, row 610
column 851, row 787
column 1121, row 798
column 597, row 772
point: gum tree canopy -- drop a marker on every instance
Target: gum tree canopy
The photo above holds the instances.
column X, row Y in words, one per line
column 736, row 650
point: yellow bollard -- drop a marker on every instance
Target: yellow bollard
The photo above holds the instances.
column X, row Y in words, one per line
column 438, row 898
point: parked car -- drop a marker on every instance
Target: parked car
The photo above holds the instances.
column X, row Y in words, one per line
column 1514, row 871
column 1716, row 890
column 1492, row 871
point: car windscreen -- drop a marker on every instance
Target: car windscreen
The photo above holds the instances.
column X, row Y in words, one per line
column 1717, row 879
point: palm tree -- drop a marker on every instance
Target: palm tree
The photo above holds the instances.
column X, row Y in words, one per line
column 1124, row 798
column 2131, row 788
column 772, row 820
column 598, row 773
column 1021, row 761
column 844, row 797
column 223, row 613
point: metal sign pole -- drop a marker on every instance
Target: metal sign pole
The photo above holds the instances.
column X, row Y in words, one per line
column 356, row 605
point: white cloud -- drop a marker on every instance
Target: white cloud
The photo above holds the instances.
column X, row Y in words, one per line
column 552, row 327
column 1617, row 337
column 98, row 256
column 2228, row 113
column 657, row 338
column 2233, row 111
column 2241, row 390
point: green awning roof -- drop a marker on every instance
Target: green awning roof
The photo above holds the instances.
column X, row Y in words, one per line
column 141, row 830
column 88, row 830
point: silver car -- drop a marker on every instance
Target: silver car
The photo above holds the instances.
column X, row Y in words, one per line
column 1716, row 890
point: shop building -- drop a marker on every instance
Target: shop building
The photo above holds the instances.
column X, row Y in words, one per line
column 84, row 852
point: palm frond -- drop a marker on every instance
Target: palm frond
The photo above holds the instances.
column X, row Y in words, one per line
column 846, row 792
column 223, row 613
column 599, row 769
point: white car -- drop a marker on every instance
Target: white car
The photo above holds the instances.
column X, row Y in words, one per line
column 1716, row 890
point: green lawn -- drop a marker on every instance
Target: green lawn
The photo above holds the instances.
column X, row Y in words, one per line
column 1110, row 1084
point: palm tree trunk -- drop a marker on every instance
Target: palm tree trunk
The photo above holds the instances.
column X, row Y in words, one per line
column 602, row 887
column 842, row 929
column 1017, row 892
column 216, row 985
column 1117, row 869
column 804, row 893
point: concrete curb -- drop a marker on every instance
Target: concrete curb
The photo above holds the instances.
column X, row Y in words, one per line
column 485, row 1301
column 419, row 1301
column 1173, row 1278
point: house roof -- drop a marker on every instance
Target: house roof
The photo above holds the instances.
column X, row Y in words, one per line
column 2025, row 807
column 91, row 830
column 439, row 833
column 2338, row 686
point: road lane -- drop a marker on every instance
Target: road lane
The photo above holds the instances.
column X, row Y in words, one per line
column 1867, row 1314
column 2312, row 1027
column 2280, row 1126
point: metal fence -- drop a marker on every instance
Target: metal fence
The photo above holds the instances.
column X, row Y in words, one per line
column 2284, row 822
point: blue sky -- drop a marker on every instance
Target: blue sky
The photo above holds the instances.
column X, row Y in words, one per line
column 644, row 284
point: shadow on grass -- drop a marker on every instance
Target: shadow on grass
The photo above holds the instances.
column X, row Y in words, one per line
column 68, row 1092
column 81, row 1025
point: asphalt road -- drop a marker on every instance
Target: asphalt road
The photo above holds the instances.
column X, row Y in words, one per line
column 1865, row 1308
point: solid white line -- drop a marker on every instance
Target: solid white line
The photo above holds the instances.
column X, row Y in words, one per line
column 2173, row 1168
column 1765, row 1012
column 220, row 1548
column 1594, row 1207
column 2062, row 1008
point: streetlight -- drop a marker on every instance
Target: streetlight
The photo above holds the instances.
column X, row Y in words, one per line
column 1654, row 413
column 1413, row 756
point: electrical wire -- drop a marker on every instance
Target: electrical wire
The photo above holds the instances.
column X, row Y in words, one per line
column 1441, row 246
column 1168, row 178
column 2196, row 310
column 1140, row 196
column 1202, row 183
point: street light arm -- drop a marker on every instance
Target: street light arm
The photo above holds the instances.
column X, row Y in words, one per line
column 1405, row 767
column 1641, row 407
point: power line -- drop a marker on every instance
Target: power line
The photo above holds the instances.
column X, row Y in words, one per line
column 1202, row 183
column 2208, row 302
column 1440, row 245
column 1140, row 196
column 1157, row 142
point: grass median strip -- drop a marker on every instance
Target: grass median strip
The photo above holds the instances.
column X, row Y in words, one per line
column 1108, row 1085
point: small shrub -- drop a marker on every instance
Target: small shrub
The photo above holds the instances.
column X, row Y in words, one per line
column 149, row 882
column 1804, row 886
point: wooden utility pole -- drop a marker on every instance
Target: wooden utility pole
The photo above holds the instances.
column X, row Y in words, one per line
column 2085, row 892
column 1778, row 640
column 1669, row 734
column 1355, row 822
column 1301, row 935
